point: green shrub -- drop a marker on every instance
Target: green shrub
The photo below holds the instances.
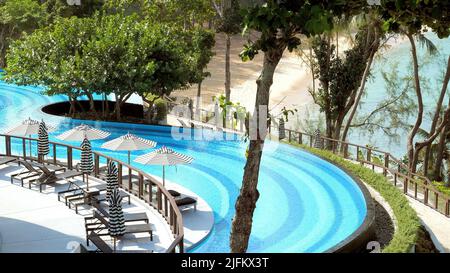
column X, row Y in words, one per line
column 407, row 221
column 442, row 188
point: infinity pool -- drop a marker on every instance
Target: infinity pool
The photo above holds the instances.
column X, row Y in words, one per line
column 305, row 204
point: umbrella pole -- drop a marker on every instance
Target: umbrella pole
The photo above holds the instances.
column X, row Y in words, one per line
column 129, row 157
column 29, row 140
column 164, row 176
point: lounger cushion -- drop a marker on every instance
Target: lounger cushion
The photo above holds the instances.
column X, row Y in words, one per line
column 174, row 193
column 185, row 201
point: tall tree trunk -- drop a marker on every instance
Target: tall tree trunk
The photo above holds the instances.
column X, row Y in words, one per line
column 415, row 129
column 72, row 109
column 362, row 86
column 227, row 68
column 312, row 69
column 436, row 117
column 246, row 202
column 106, row 106
column 92, row 105
column 197, row 103
column 440, row 153
column 3, row 46
column 117, row 108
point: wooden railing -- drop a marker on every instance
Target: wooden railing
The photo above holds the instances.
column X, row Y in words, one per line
column 131, row 179
column 412, row 184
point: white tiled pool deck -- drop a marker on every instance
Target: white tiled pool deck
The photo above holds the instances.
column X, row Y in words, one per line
column 31, row 221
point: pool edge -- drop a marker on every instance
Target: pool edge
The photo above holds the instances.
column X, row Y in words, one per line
column 357, row 241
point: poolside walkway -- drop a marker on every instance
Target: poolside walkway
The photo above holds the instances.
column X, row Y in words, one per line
column 37, row 222
column 435, row 223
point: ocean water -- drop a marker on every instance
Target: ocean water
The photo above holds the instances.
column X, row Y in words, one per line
column 431, row 68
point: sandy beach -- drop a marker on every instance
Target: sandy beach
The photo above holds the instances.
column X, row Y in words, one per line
column 291, row 80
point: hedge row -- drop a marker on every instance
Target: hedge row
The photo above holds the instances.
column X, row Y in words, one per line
column 408, row 223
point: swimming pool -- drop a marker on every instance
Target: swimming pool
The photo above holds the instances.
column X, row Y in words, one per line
column 306, row 204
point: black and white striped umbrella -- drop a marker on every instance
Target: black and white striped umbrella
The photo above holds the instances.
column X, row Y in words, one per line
column 116, row 226
column 129, row 142
column 81, row 132
column 112, row 180
column 43, row 147
column 86, row 164
column 165, row 157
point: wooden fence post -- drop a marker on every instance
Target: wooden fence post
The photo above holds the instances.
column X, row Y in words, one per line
column 141, row 186
column 119, row 173
column 8, row 145
column 96, row 165
column 54, row 154
column 69, row 158
column 386, row 164
column 130, row 182
column 24, row 149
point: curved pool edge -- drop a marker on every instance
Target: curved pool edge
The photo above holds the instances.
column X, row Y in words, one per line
column 198, row 224
column 357, row 241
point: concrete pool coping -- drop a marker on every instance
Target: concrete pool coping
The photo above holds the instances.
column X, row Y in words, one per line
column 197, row 224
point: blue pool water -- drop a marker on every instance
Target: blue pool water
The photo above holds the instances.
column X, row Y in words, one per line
column 305, row 205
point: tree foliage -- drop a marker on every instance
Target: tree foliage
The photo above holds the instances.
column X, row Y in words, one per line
column 17, row 17
column 112, row 54
column 339, row 76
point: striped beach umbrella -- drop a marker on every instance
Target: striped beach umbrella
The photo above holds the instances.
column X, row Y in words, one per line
column 87, row 164
column 116, row 226
column 129, row 142
column 112, row 180
column 43, row 147
column 165, row 157
column 81, row 132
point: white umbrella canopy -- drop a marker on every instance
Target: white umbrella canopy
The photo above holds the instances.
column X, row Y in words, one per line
column 129, row 142
column 27, row 128
column 164, row 156
column 81, row 132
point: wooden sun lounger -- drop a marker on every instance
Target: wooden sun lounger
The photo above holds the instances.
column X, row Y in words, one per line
column 98, row 223
column 30, row 172
column 124, row 195
column 186, row 201
column 183, row 200
column 68, row 194
column 35, row 165
column 7, row 159
column 52, row 177
column 129, row 217
column 103, row 247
